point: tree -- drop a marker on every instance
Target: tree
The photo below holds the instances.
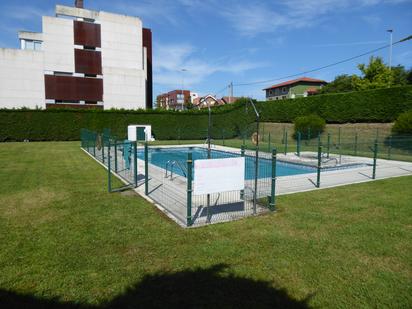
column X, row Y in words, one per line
column 341, row 83
column 374, row 75
column 409, row 77
column 400, row 75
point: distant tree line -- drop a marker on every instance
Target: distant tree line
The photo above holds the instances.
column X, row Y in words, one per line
column 376, row 74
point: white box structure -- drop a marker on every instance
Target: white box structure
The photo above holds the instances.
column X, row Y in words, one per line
column 219, row 175
column 132, row 132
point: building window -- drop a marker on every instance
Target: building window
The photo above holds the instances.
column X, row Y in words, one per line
column 284, row 97
column 276, row 91
column 31, row 45
column 284, row 89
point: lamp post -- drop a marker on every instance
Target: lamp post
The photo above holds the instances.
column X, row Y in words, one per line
column 390, row 47
column 183, row 84
column 256, row 153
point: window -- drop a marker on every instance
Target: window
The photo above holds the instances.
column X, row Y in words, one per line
column 31, row 45
column 284, row 89
column 283, row 97
column 276, row 91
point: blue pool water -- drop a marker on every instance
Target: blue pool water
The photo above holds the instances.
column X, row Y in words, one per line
column 160, row 156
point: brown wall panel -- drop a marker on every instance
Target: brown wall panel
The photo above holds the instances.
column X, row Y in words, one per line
column 88, row 61
column 87, row 34
column 69, row 88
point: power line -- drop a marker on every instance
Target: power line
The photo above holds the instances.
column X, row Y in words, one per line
column 323, row 67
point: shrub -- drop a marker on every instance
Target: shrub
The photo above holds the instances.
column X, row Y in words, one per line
column 309, row 126
column 403, row 125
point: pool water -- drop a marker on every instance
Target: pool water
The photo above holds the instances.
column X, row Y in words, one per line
column 160, row 157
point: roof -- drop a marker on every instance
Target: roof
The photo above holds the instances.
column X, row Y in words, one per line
column 294, row 81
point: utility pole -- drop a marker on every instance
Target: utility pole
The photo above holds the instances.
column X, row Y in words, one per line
column 390, row 48
column 230, row 92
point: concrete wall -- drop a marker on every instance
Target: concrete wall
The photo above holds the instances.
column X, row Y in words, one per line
column 122, row 61
column 58, row 44
column 21, row 76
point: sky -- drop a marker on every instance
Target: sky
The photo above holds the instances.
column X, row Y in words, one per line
column 204, row 45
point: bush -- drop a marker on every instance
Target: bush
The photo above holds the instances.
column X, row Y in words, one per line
column 309, row 126
column 403, row 125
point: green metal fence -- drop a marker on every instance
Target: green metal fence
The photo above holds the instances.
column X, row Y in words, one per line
column 168, row 179
column 169, row 182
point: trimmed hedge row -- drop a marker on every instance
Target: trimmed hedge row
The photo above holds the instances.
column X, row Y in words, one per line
column 382, row 105
column 56, row 124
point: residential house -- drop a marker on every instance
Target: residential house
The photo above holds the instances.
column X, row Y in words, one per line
column 205, row 101
column 300, row 87
column 175, row 99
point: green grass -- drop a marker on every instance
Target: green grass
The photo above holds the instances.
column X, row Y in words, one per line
column 66, row 242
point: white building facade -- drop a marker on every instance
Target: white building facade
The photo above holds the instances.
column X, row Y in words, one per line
column 82, row 59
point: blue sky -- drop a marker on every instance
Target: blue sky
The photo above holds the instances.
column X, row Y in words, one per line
column 219, row 41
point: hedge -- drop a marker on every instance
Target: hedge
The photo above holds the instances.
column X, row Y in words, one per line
column 382, row 105
column 65, row 124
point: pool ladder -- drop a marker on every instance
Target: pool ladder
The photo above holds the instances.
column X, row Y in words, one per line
column 172, row 163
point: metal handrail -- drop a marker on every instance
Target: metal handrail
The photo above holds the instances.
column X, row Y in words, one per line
column 182, row 168
column 170, row 164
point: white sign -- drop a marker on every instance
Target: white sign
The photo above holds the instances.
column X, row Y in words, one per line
column 219, row 175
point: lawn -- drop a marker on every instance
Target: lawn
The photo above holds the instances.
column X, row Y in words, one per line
column 66, row 242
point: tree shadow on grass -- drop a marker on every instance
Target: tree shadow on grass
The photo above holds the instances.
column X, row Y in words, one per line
column 199, row 288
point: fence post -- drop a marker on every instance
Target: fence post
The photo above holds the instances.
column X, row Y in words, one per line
column 242, row 154
column 328, row 146
column 272, row 202
column 244, row 137
column 284, row 132
column 223, row 137
column 102, row 148
column 298, row 144
column 135, row 163
column 269, row 143
column 286, row 142
column 178, row 136
column 390, row 147
column 309, row 136
column 115, row 156
column 94, row 146
column 109, row 178
column 146, row 169
column 339, row 136
column 340, row 150
column 189, row 189
column 356, row 143
column 319, row 166
column 375, row 155
column 263, row 133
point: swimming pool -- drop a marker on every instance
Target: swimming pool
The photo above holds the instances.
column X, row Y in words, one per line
column 160, row 157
